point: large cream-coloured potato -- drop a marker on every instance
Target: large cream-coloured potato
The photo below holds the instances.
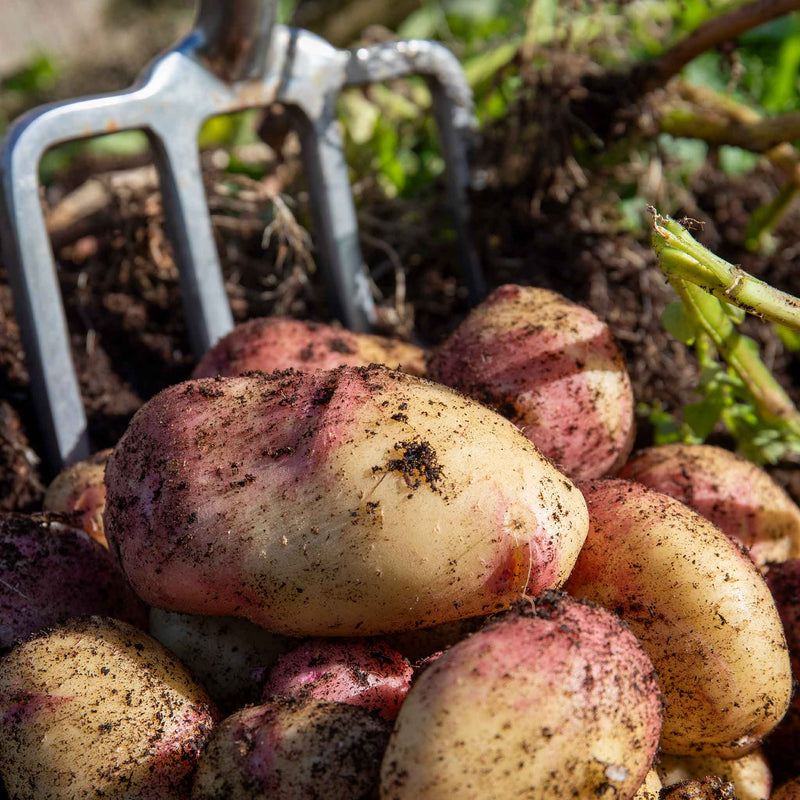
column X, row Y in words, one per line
column 555, row 703
column 96, row 708
column 701, row 609
column 352, row 502
column 736, row 495
column 553, row 368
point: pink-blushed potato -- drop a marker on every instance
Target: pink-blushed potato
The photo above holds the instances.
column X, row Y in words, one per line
column 701, row 609
column 750, row 775
column 96, row 708
column 228, row 655
column 80, row 491
column 735, row 494
column 783, row 580
column 50, row 572
column 267, row 344
column 557, row 702
column 360, row 672
column 553, row 368
column 789, row 791
column 348, row 503
column 294, row 749
column 651, row 787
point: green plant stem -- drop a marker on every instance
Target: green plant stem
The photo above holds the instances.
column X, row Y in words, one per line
column 740, row 353
column 683, row 258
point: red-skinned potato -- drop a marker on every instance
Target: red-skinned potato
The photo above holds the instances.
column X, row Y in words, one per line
column 80, row 491
column 50, row 572
column 557, row 702
column 553, row 368
column 700, row 608
column 360, row 672
column 277, row 343
column 295, row 750
column 732, row 492
column 96, row 708
column 352, row 502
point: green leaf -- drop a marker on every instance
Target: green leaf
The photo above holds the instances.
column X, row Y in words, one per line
column 677, row 324
column 39, row 74
column 703, row 416
column 484, row 66
column 737, row 314
column 789, row 337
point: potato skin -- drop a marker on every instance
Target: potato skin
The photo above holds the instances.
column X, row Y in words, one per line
column 96, row 708
column 298, row 750
column 789, row 791
column 553, row 368
column 362, row 672
column 732, row 492
column 80, row 491
column 649, row 790
column 351, row 502
column 700, row 608
column 561, row 702
column 277, row 343
column 750, row 775
column 50, row 572
column 708, row 788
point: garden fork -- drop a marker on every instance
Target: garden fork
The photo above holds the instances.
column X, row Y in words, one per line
column 235, row 58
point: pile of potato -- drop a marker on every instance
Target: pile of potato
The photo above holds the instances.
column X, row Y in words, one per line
column 365, row 583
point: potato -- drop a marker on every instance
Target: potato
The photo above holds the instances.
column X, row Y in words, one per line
column 700, row 608
column 709, row 788
column 735, row 494
column 750, row 775
column 553, row 368
column 353, row 502
column 782, row 746
column 228, row 655
column 789, row 791
column 96, row 708
column 557, row 702
column 651, row 787
column 297, row 750
column 80, row 491
column 360, row 672
column 50, row 572
column 276, row 343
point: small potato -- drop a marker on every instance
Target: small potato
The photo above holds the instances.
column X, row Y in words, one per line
column 561, row 702
column 294, row 750
column 750, row 775
column 789, row 791
column 553, row 368
column 50, row 572
column 651, row 787
column 228, row 655
column 80, row 491
column 732, row 492
column 709, row 788
column 701, row 610
column 96, row 708
column 347, row 503
column 277, row 343
column 360, row 672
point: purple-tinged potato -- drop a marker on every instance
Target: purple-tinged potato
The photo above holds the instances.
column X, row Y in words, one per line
column 278, row 343
column 361, row 672
column 789, row 791
column 50, row 572
column 707, row 788
column 553, row 368
column 732, row 492
column 228, row 655
column 701, row 609
column 347, row 503
column 80, row 491
column 294, row 750
column 750, row 775
column 553, row 703
column 782, row 746
column 96, row 708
